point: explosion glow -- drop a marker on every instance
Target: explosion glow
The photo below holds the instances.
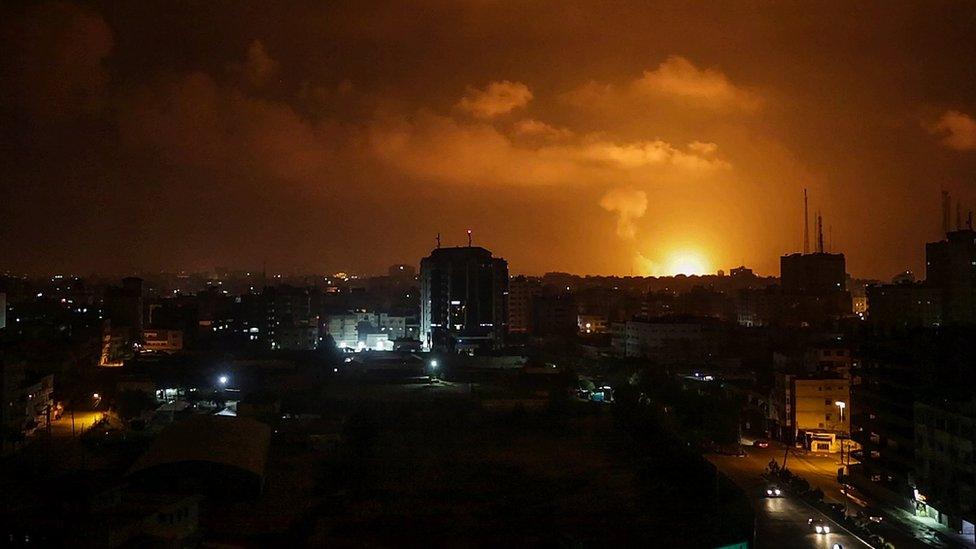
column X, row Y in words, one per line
column 687, row 262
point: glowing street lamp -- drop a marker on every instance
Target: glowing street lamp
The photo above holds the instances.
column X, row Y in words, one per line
column 841, row 405
column 222, row 380
column 433, row 364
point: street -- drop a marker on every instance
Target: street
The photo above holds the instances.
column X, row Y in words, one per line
column 777, row 521
column 782, row 522
column 83, row 419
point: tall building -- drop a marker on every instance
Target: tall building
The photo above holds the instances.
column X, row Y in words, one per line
column 463, row 299
column 123, row 306
column 913, row 398
column 522, row 291
column 904, row 306
column 813, row 287
column 290, row 321
column 945, row 472
column 813, row 274
column 555, row 314
column 950, row 265
column 3, row 310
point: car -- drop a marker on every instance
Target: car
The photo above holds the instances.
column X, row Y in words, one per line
column 870, row 514
column 819, row 526
column 774, row 492
column 761, row 443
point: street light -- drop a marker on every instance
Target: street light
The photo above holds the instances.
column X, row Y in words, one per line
column 222, row 380
column 433, row 364
column 842, row 405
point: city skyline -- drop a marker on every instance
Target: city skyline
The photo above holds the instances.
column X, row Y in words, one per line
column 488, row 273
column 313, row 137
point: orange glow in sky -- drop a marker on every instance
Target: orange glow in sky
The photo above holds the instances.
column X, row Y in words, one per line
column 657, row 147
column 687, row 262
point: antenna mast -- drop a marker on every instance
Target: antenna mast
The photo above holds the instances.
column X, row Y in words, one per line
column 438, row 240
column 820, row 242
column 806, row 225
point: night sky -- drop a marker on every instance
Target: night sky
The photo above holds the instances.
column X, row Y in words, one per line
column 591, row 137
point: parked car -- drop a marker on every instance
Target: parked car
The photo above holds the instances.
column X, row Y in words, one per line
column 870, row 514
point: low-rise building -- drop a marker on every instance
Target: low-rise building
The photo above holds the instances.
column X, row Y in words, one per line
column 592, row 324
column 676, row 339
column 361, row 330
column 811, row 409
column 297, row 337
column 162, row 341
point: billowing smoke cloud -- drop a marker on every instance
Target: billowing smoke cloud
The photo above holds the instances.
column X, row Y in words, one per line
column 530, row 127
column 191, row 120
column 259, row 66
column 679, row 77
column 675, row 79
column 53, row 59
column 498, row 98
column 630, row 205
column 431, row 145
column 958, row 131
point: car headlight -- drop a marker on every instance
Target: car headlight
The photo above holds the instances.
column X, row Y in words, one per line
column 826, row 529
column 777, row 491
column 769, row 492
column 819, row 529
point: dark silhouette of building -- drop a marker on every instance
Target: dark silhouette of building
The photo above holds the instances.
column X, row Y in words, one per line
column 522, row 291
column 463, row 298
column 950, row 265
column 813, row 287
column 123, row 306
column 913, row 403
column 554, row 314
column 904, row 306
column 812, row 274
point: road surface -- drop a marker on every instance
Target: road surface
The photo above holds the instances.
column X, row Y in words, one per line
column 775, row 520
column 781, row 522
column 84, row 419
